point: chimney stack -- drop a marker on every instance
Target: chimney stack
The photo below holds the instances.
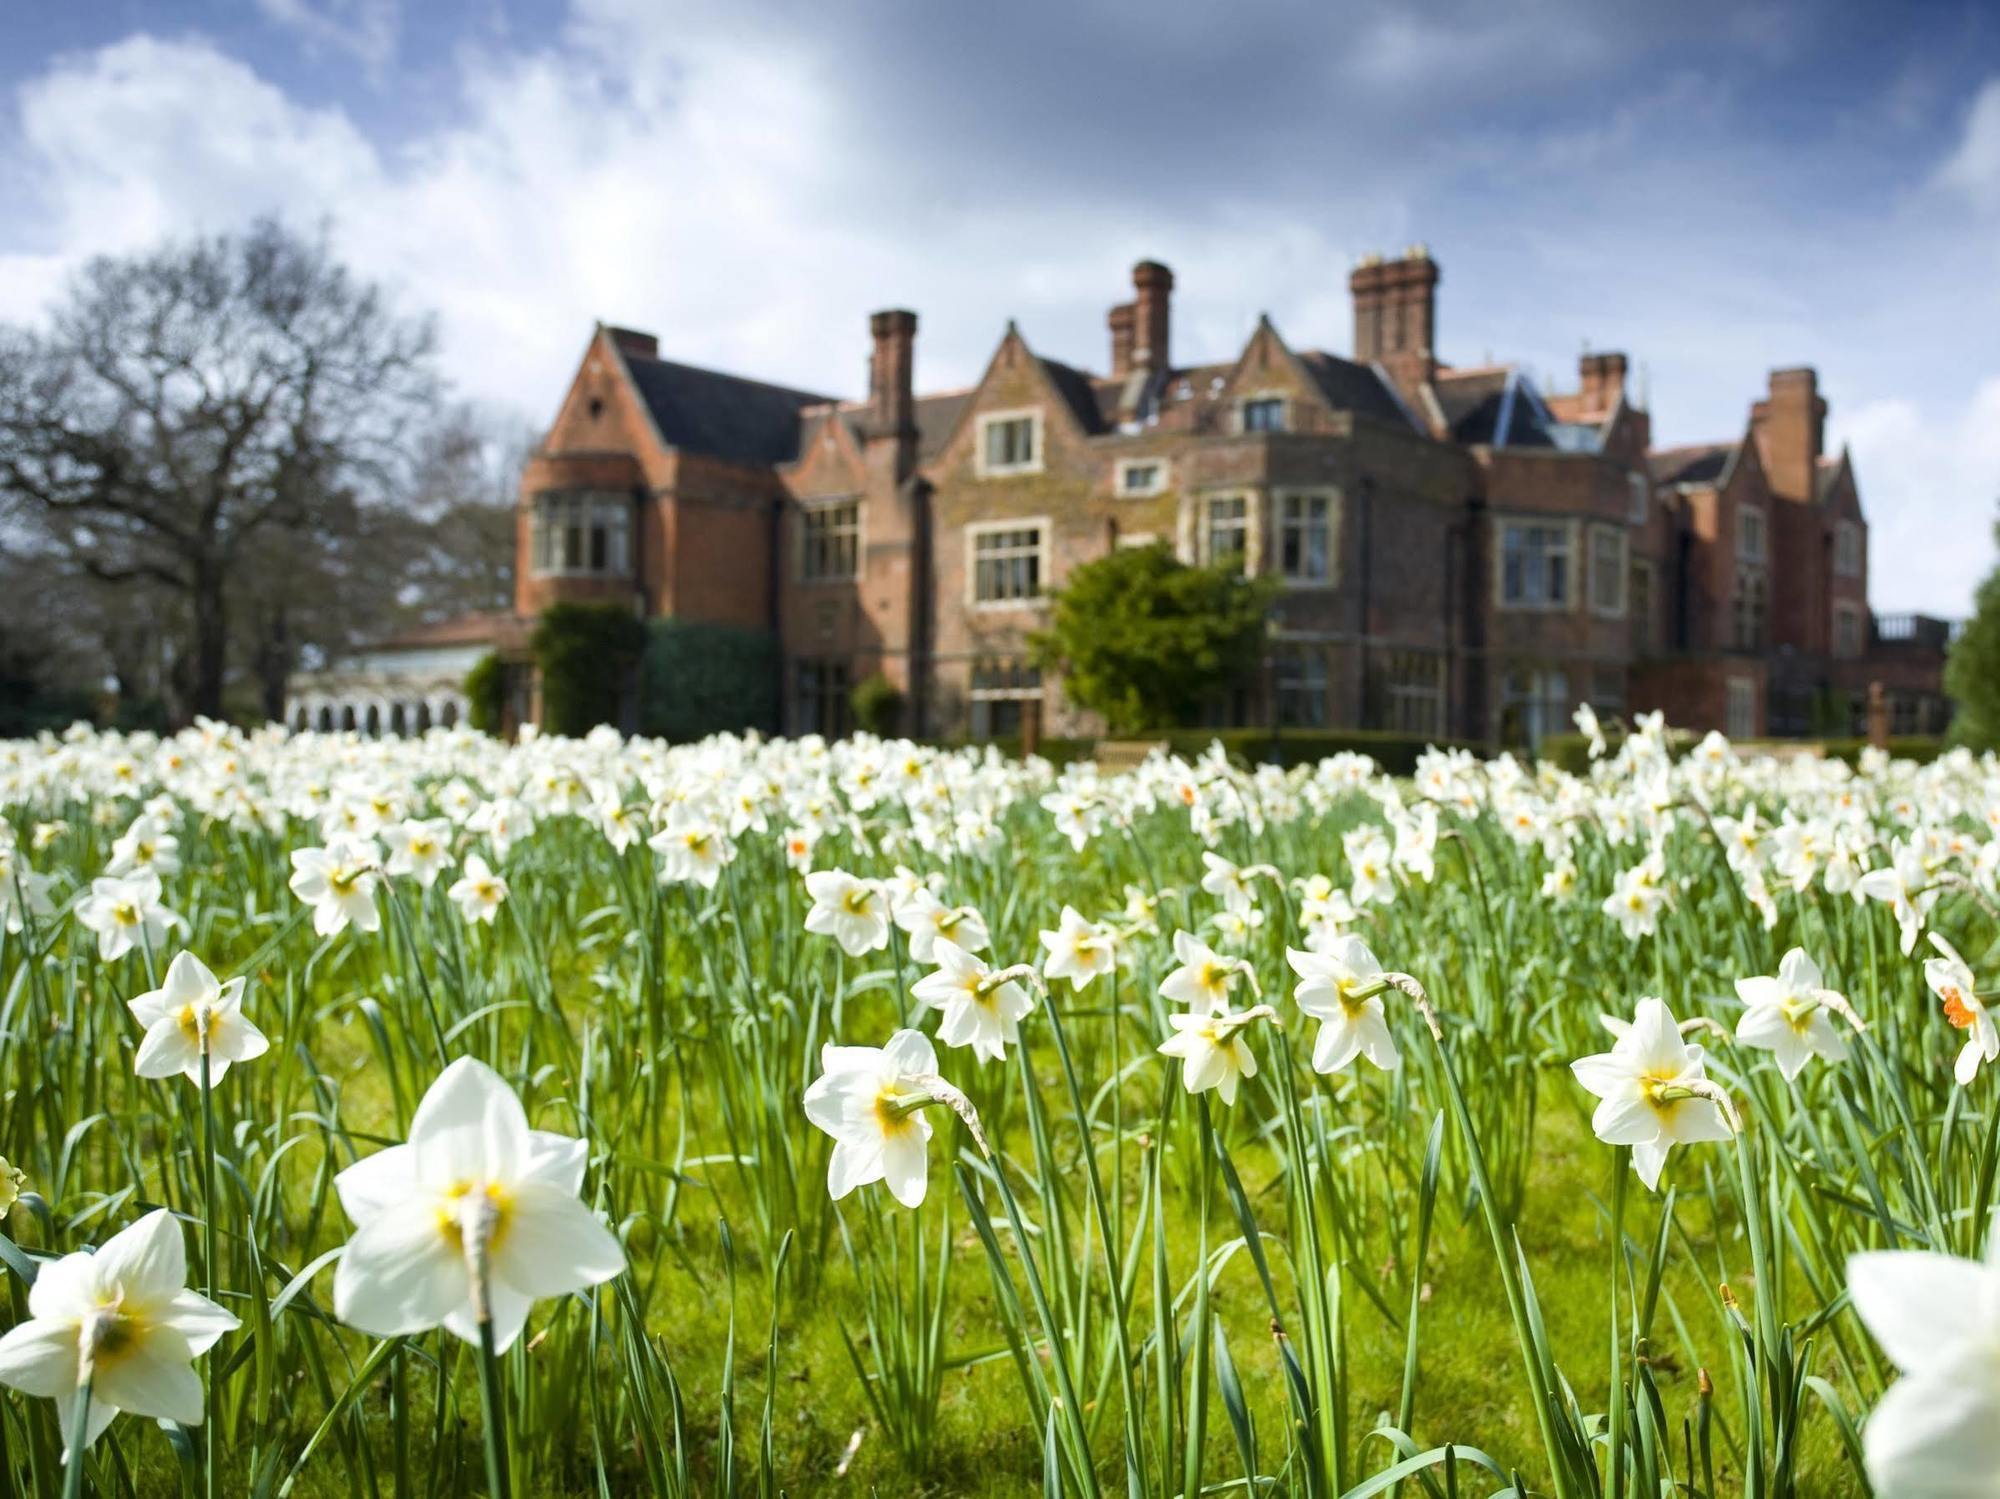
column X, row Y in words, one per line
column 1790, row 424
column 1395, row 315
column 1603, row 382
column 1154, row 284
column 1124, row 320
column 891, row 371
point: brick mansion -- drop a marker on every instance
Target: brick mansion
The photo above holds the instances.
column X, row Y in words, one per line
column 1461, row 553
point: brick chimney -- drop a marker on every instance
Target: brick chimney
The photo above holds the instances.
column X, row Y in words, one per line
column 891, row 371
column 1123, row 320
column 633, row 342
column 1603, row 382
column 1154, row 284
column 1395, row 315
column 1790, row 424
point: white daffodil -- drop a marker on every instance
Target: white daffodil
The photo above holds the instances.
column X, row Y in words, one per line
column 927, row 920
column 1950, row 978
column 478, row 895
column 1905, row 886
column 982, row 1009
column 476, row 1214
column 192, row 1015
column 13, row 1182
column 123, row 1319
column 126, row 913
column 692, row 849
column 338, row 882
column 1655, row 1091
column 23, row 892
column 146, row 845
column 1587, row 725
column 1791, row 1015
column 1341, row 986
column 1370, row 865
column 1936, row 1433
column 854, row 912
column 418, row 848
column 1203, row 979
column 1212, row 1048
column 871, row 1100
column 1078, row 950
column 1234, row 886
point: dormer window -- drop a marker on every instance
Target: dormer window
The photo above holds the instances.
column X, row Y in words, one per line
column 582, row 535
column 1010, row 442
column 1264, row 414
column 1141, row 476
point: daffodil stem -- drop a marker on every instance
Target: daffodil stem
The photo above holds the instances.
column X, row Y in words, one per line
column 209, row 1269
column 79, row 1441
column 492, row 1414
column 1621, row 1168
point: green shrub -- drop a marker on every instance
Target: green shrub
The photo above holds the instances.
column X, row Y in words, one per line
column 586, row 653
column 485, row 694
column 699, row 679
column 877, row 705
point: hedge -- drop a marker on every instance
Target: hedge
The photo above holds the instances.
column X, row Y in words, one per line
column 698, row 679
column 586, row 653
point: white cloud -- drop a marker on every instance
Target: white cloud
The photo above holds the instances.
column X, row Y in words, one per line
column 1931, row 483
column 1974, row 168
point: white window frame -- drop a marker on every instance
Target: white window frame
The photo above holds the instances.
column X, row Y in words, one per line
column 811, row 508
column 1131, row 540
column 991, row 419
column 1163, row 471
column 1847, row 550
column 1043, row 528
column 1739, row 707
column 1572, row 593
column 1281, row 501
column 1745, row 551
column 1011, row 692
column 1255, row 397
column 550, row 519
column 1615, row 608
column 1204, row 554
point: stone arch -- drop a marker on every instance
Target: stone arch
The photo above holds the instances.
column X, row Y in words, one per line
column 399, row 721
column 348, row 723
column 423, row 715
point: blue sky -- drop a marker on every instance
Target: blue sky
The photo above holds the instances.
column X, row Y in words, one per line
column 1715, row 189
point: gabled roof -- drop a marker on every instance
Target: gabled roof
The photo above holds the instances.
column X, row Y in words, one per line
column 1078, row 393
column 1348, row 386
column 724, row 416
column 936, row 417
column 1696, row 463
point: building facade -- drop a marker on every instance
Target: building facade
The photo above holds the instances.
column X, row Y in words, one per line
column 1461, row 554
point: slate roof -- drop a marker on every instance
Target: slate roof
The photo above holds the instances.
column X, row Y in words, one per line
column 1349, row 386
column 1077, row 392
column 724, row 416
column 1700, row 463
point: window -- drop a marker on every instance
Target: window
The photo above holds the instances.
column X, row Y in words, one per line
column 1264, row 414
column 1534, row 702
column 1305, row 537
column 822, row 698
column 1607, row 572
column 1129, row 539
column 1740, row 711
column 1534, row 565
column 1139, row 476
column 1301, row 686
column 1749, row 535
column 1010, row 442
column 1411, row 690
column 1847, row 549
column 1846, row 630
column 1226, row 531
column 1000, row 689
column 587, row 535
column 1749, row 609
column 1640, row 504
column 1640, row 605
column 830, row 541
column 1006, row 562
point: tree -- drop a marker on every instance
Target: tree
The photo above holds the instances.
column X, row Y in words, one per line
column 1144, row 639
column 1972, row 670
column 201, row 418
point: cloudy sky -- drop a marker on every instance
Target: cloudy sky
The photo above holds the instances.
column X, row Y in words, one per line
column 1716, row 189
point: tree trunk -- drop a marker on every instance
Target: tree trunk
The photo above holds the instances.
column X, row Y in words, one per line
column 210, row 643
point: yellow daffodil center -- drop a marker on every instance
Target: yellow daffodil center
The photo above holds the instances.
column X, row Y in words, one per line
column 857, row 901
column 125, row 913
column 199, row 1023
column 469, row 1204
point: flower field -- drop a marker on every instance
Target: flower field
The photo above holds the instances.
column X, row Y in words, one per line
column 600, row 1117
